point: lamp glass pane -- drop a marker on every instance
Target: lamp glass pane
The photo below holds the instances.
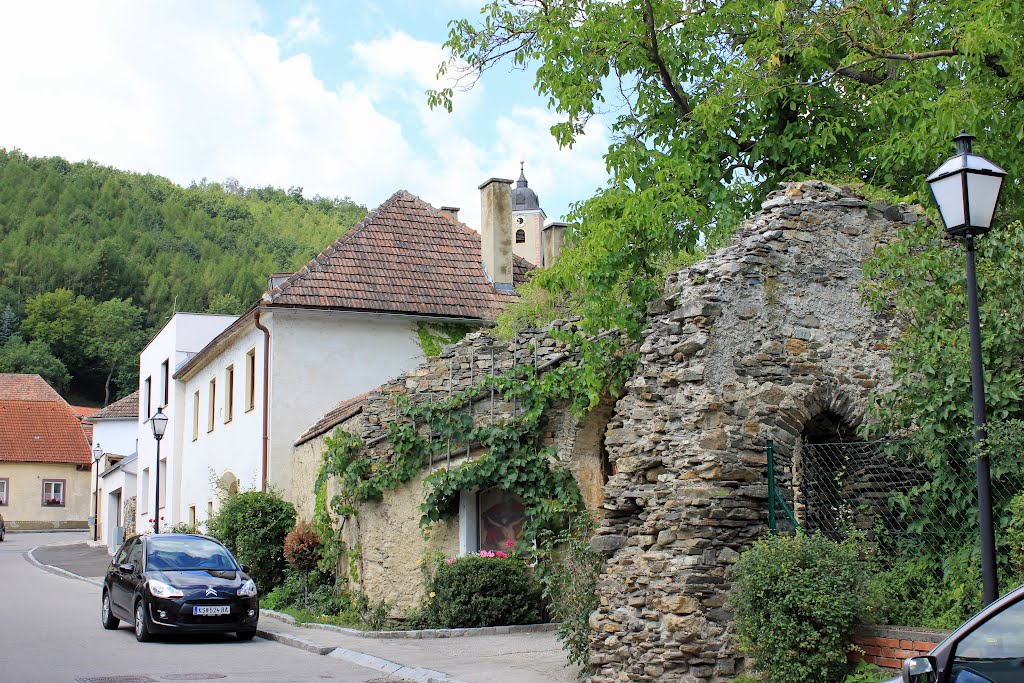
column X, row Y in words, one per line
column 983, row 191
column 949, row 196
column 949, row 166
column 159, row 424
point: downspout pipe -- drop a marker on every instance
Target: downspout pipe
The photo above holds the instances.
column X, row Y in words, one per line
column 266, row 397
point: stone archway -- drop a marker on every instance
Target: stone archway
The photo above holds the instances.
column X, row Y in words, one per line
column 228, row 483
column 587, row 454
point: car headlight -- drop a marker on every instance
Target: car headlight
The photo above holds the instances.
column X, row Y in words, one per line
column 159, row 589
column 248, row 589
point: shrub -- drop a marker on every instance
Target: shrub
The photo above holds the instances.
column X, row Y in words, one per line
column 794, row 601
column 184, row 528
column 253, row 525
column 302, row 547
column 481, row 590
column 1014, row 535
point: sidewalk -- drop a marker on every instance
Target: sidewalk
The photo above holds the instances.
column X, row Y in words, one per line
column 510, row 658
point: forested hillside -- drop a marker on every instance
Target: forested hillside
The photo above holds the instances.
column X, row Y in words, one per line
column 93, row 260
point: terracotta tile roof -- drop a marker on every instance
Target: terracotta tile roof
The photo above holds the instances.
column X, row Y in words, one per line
column 404, row 257
column 27, row 388
column 339, row 414
column 127, row 407
column 84, row 411
column 41, row 431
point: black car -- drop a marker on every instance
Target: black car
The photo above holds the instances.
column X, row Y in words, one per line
column 172, row 583
column 988, row 648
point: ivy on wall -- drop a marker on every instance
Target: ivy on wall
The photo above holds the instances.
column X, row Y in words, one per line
column 435, row 336
column 511, row 453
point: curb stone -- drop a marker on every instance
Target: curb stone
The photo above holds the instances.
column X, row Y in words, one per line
column 419, row 675
column 294, row 641
column 424, row 633
column 30, row 556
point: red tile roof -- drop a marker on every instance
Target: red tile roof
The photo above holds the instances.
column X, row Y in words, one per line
column 404, row 257
column 37, row 425
column 339, row 414
column 19, row 387
column 84, row 411
column 41, row 431
column 125, row 408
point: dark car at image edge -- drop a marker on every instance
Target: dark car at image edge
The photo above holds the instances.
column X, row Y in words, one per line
column 175, row 583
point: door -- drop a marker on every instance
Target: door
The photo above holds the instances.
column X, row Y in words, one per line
column 122, row 587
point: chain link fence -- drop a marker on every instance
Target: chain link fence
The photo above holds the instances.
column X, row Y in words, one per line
column 909, row 494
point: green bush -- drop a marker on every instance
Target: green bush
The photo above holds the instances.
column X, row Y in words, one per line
column 316, row 593
column 1014, row 536
column 794, row 601
column 472, row 591
column 253, row 525
column 184, row 528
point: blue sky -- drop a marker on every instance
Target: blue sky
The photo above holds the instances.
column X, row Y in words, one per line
column 328, row 96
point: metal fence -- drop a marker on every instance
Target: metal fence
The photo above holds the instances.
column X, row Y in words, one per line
column 899, row 493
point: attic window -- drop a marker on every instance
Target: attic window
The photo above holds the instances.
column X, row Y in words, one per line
column 520, row 236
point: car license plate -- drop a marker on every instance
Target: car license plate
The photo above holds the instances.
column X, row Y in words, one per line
column 211, row 610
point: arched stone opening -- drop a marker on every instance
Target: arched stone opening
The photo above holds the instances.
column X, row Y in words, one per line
column 588, row 455
column 228, row 483
column 826, row 465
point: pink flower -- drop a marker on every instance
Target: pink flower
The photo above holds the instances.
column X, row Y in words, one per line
column 501, row 554
column 486, row 553
column 510, row 544
column 450, row 560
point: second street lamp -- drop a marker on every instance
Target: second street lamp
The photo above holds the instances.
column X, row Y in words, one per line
column 967, row 188
column 159, row 424
column 97, row 453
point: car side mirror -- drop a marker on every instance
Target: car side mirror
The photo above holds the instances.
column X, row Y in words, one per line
column 920, row 670
column 127, row 568
column 245, row 568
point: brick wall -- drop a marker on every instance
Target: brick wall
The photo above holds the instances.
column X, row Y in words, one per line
column 888, row 647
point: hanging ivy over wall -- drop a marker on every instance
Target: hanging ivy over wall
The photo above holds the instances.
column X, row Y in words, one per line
column 510, row 451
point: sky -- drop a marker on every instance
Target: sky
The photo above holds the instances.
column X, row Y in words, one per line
column 327, row 96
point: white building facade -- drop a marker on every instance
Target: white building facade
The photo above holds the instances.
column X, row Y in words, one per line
column 184, row 335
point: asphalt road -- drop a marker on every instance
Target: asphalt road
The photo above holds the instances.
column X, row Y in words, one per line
column 50, row 631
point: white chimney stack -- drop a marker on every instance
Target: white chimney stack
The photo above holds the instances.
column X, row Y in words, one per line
column 496, row 231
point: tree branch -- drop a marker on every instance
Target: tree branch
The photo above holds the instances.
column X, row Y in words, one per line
column 678, row 98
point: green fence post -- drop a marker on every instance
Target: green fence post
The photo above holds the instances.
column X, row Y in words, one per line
column 771, row 486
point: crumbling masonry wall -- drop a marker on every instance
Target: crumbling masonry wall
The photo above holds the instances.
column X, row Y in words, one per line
column 747, row 346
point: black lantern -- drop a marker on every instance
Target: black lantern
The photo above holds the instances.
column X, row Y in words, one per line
column 966, row 188
column 159, row 424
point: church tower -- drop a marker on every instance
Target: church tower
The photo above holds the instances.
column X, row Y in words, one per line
column 527, row 221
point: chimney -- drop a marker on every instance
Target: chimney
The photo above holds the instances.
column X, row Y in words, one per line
column 496, row 231
column 554, row 239
column 451, row 211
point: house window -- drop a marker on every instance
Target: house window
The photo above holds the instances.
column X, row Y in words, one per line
column 149, row 397
column 520, row 236
column 213, row 405
column 144, row 493
column 195, row 415
column 250, row 380
column 209, row 509
column 4, row 484
column 163, row 485
column 229, row 393
column 165, row 379
column 53, row 492
column 192, row 515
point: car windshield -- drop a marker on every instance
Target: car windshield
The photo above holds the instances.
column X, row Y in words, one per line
column 184, row 554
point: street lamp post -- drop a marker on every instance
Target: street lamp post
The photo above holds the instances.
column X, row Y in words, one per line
column 159, row 424
column 97, row 453
column 966, row 188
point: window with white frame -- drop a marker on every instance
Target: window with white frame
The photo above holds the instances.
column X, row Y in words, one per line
column 4, row 485
column 53, row 492
column 212, row 412
column 489, row 520
column 229, row 394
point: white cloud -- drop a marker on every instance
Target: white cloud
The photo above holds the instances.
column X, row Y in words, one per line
column 304, row 26
column 192, row 90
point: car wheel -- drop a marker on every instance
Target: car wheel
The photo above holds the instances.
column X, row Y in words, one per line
column 142, row 633
column 246, row 635
column 107, row 618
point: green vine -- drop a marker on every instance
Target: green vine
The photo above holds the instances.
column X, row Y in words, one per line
column 435, row 336
column 512, row 453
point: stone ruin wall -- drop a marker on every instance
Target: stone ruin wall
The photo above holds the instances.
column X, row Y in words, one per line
column 387, row 532
column 747, row 346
